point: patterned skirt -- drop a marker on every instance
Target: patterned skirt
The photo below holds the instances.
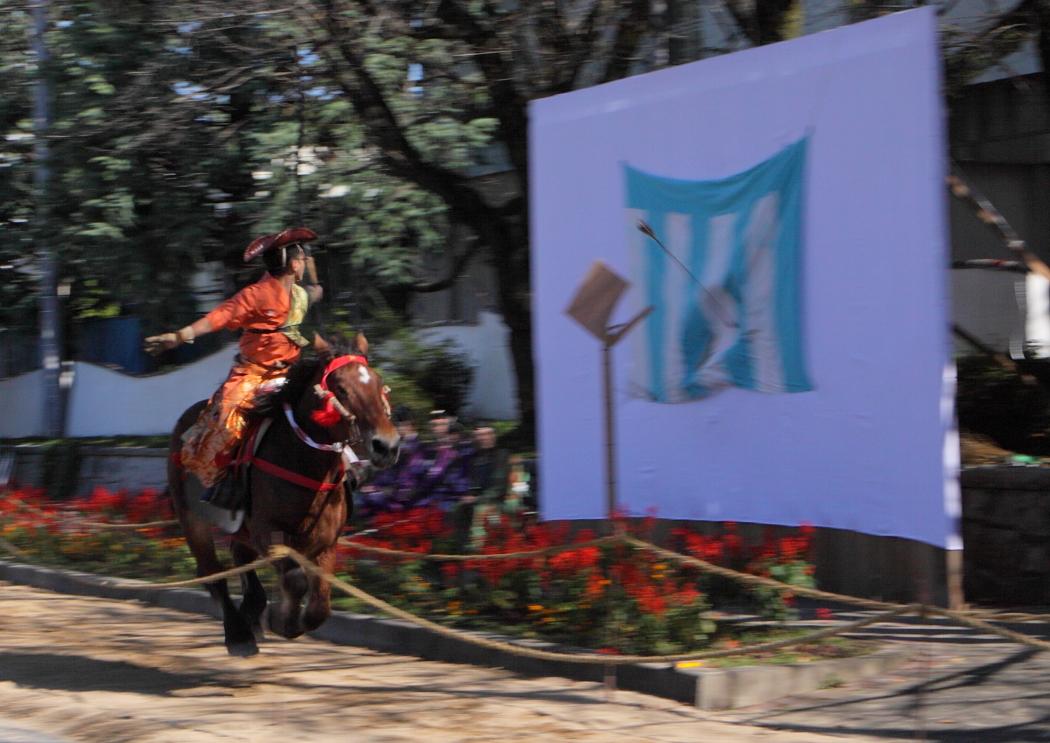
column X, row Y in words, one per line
column 208, row 445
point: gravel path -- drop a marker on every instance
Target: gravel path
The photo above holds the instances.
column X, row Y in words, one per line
column 87, row 669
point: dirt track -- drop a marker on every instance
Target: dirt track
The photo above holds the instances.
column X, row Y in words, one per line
column 98, row 670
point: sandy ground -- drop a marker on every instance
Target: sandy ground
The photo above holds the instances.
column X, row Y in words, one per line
column 86, row 669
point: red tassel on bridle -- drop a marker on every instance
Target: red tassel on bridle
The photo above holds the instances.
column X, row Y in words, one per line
column 327, row 415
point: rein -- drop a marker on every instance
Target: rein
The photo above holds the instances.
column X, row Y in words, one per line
column 332, row 407
column 339, row 446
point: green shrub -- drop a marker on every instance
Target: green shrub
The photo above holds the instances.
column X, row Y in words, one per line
column 1000, row 404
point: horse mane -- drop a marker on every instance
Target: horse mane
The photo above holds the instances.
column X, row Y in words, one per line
column 299, row 378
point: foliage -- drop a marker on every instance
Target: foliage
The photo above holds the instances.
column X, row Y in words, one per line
column 182, row 130
column 614, row 597
column 60, row 533
column 422, row 375
column 999, row 403
column 439, row 370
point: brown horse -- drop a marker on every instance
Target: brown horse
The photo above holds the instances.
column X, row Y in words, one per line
column 296, row 490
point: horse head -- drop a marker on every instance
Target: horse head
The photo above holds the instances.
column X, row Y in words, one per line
column 352, row 402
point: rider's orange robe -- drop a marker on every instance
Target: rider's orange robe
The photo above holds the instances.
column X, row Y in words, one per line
column 263, row 306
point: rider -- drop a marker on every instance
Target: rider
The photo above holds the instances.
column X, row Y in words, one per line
column 269, row 312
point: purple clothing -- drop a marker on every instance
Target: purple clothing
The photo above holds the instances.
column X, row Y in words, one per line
column 394, row 489
column 447, row 479
column 424, row 475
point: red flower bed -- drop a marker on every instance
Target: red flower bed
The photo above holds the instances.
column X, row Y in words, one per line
column 66, row 533
column 612, row 596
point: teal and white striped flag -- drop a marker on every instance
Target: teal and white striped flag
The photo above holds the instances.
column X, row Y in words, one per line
column 728, row 304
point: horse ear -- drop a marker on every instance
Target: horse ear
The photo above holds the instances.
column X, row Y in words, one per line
column 361, row 344
column 321, row 345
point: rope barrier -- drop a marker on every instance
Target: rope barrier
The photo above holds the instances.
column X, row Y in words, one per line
column 142, row 585
column 748, row 578
column 435, row 556
column 278, row 552
column 758, row 580
column 102, row 525
column 709, row 567
column 975, row 623
column 586, row 658
column 752, row 579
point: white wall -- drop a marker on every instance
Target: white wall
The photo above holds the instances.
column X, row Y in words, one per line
column 107, row 403
column 494, row 393
column 103, row 402
column 22, row 405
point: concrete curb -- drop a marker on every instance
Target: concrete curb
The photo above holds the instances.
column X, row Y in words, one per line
column 705, row 688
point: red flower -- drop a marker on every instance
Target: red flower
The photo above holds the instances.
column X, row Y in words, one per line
column 687, row 595
column 102, row 499
column 595, row 586
column 824, row 613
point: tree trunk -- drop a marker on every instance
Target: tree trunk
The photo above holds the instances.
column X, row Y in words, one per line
column 512, row 274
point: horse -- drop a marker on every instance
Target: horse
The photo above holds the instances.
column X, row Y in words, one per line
column 296, row 490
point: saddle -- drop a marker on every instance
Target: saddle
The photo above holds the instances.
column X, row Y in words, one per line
column 230, row 500
column 233, row 492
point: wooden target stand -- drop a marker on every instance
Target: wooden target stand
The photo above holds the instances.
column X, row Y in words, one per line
column 591, row 307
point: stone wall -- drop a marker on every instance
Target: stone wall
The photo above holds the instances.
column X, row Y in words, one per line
column 1006, row 535
column 75, row 471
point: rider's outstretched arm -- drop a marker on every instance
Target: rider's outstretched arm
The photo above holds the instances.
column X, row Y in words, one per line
column 156, row 344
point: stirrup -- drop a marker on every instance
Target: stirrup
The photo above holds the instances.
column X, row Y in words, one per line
column 223, row 493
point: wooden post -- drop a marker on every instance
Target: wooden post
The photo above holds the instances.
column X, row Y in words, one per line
column 613, row 335
column 610, row 432
column 954, row 579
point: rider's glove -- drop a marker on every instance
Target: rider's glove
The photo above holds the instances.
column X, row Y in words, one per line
column 157, row 344
column 163, row 342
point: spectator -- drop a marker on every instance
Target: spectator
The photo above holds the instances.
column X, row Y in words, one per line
column 446, row 480
column 488, row 483
column 395, row 489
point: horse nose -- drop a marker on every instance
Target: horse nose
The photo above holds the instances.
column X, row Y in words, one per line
column 382, row 448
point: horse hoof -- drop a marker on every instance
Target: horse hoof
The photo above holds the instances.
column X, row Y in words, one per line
column 242, row 649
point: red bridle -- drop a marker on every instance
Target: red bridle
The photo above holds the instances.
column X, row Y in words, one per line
column 327, row 415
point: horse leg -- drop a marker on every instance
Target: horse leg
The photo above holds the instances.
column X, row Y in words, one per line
column 319, row 606
column 253, row 594
column 239, row 638
column 285, row 620
column 198, row 534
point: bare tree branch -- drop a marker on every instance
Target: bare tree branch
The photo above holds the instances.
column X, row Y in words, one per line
column 397, row 154
column 628, row 33
column 585, row 37
column 453, row 273
column 508, row 104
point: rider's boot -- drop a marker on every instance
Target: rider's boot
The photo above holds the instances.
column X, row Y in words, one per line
column 223, row 493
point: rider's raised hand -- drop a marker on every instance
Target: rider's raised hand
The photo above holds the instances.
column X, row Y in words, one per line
column 157, row 344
